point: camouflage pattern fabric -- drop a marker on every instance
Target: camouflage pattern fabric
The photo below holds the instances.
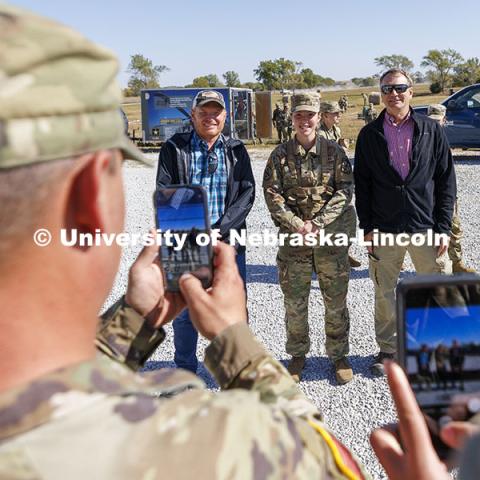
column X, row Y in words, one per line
column 455, row 245
column 99, row 419
column 305, row 102
column 42, row 120
column 317, row 186
column 333, row 271
column 333, row 134
column 370, row 114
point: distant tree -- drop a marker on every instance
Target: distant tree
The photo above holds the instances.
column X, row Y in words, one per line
column 206, row 81
column 213, row 80
column 143, row 74
column 277, row 74
column 294, row 81
column 467, row 72
column 418, row 77
column 441, row 63
column 386, row 62
column 200, row 82
column 310, row 78
column 327, row 81
column 257, row 86
column 232, row 79
column 365, row 81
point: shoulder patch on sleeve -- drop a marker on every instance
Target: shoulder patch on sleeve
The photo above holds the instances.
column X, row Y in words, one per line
column 346, row 167
column 344, row 460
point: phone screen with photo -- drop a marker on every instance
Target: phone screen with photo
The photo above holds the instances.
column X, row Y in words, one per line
column 182, row 218
column 442, row 344
column 439, row 347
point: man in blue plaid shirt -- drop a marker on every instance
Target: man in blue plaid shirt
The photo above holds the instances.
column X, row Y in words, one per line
column 222, row 166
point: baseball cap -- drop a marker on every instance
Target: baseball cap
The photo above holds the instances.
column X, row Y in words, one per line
column 58, row 93
column 436, row 111
column 207, row 96
column 330, row 107
column 304, row 102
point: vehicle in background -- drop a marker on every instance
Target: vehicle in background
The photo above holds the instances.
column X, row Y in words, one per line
column 463, row 117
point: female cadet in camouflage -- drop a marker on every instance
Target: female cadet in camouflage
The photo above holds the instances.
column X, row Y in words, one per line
column 308, row 186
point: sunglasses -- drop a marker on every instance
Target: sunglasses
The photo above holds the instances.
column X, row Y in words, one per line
column 401, row 88
column 212, row 162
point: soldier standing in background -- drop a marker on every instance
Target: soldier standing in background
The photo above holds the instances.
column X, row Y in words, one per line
column 308, row 185
column 438, row 112
column 329, row 129
column 370, row 114
column 276, row 121
column 343, row 103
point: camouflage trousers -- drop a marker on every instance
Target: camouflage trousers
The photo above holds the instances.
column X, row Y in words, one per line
column 455, row 245
column 295, row 268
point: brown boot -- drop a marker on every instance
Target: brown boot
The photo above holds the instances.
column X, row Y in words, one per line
column 460, row 267
column 343, row 371
column 354, row 263
column 295, row 367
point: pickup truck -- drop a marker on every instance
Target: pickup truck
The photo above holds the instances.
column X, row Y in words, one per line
column 463, row 117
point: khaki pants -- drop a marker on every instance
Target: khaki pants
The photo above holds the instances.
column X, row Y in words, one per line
column 384, row 272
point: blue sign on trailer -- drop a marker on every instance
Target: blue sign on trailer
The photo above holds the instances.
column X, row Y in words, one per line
column 166, row 111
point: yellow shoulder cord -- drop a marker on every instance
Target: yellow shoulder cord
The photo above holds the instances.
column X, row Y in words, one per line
column 336, row 454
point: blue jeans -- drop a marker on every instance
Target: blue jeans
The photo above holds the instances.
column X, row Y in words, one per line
column 184, row 334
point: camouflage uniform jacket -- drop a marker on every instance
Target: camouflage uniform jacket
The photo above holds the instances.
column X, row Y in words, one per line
column 333, row 134
column 100, row 420
column 316, row 185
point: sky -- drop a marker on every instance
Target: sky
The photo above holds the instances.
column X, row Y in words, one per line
column 334, row 39
column 443, row 325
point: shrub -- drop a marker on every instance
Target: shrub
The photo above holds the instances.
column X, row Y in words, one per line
column 435, row 87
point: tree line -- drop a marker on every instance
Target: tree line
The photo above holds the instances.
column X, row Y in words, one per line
column 445, row 68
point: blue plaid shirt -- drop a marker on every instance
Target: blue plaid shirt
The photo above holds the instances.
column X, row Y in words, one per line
column 216, row 183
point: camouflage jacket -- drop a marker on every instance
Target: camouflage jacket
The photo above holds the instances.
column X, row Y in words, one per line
column 316, row 185
column 333, row 134
column 100, row 420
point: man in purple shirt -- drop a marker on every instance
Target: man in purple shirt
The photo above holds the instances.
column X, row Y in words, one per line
column 405, row 187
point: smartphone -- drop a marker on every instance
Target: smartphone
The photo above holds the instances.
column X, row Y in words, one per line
column 438, row 325
column 183, row 223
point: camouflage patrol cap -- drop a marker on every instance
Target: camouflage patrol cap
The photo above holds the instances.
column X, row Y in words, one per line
column 436, row 111
column 208, row 96
column 58, row 94
column 304, row 102
column 330, row 107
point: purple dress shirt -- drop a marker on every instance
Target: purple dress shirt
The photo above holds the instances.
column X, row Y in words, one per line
column 399, row 139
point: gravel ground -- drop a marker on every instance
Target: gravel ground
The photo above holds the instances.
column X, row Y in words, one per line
column 352, row 410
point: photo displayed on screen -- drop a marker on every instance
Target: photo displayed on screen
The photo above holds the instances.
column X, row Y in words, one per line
column 442, row 340
column 182, row 211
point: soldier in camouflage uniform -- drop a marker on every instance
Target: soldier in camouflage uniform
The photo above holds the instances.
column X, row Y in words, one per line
column 284, row 124
column 370, row 114
column 308, row 186
column 329, row 129
column 275, row 120
column 330, row 113
column 438, row 112
column 66, row 412
column 343, row 103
